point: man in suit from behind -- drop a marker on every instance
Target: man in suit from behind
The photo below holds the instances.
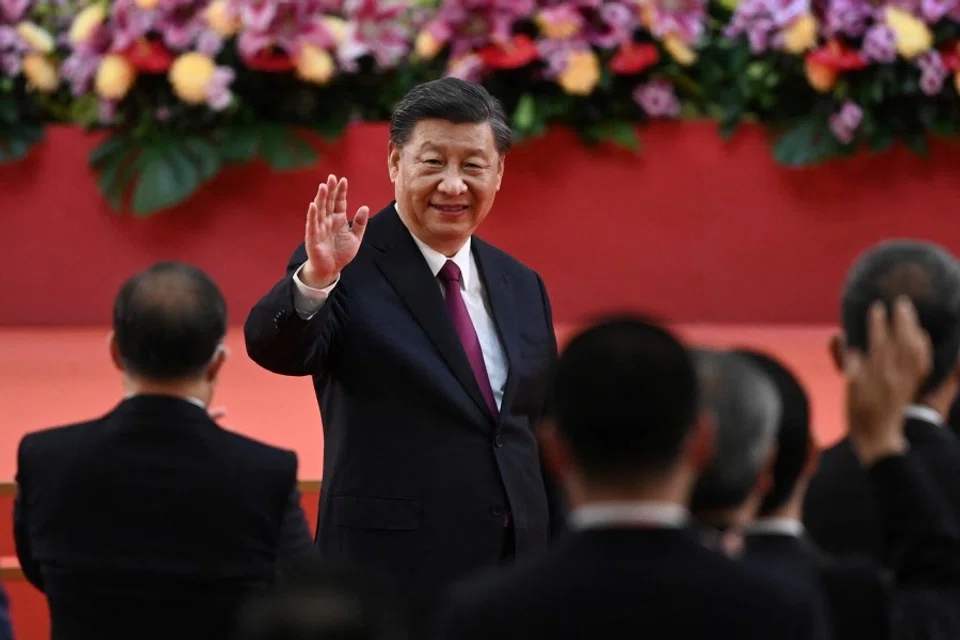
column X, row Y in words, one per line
column 628, row 439
column 152, row 521
column 6, row 627
column 429, row 350
column 840, row 512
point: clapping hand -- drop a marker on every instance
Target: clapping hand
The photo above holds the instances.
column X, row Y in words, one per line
column 882, row 382
column 331, row 241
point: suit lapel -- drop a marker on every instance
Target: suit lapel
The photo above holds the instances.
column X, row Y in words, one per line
column 503, row 307
column 399, row 260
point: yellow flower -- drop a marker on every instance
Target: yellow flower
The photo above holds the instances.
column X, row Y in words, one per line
column 115, row 76
column 41, row 72
column 426, row 46
column 38, row 38
column 581, row 74
column 557, row 29
column 86, row 23
column 190, row 76
column 821, row 77
column 315, row 65
column 147, row 4
column 801, row 35
column 913, row 37
column 646, row 14
column 337, row 27
column 220, row 20
column 679, row 50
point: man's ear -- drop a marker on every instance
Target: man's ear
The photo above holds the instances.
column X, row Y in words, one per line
column 114, row 350
column 216, row 364
column 837, row 346
column 393, row 161
column 500, row 165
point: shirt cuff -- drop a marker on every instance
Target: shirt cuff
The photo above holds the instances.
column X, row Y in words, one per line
column 307, row 300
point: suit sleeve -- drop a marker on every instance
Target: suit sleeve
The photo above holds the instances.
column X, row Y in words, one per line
column 21, row 530
column 295, row 539
column 279, row 340
column 555, row 499
column 922, row 547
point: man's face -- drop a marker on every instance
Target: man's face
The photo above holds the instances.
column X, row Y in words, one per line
column 446, row 179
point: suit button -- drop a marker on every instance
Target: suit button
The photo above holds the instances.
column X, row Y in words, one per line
column 497, row 512
column 498, row 441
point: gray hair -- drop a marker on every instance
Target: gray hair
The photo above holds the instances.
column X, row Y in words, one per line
column 746, row 407
column 453, row 100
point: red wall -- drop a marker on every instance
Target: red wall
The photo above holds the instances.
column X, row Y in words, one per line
column 692, row 229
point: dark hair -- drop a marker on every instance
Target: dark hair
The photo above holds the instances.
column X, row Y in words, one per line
column 326, row 599
column 793, row 437
column 746, row 410
column 624, row 398
column 924, row 272
column 168, row 322
column 453, row 100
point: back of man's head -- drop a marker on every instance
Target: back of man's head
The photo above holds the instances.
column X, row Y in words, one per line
column 925, row 273
column 793, row 435
column 624, row 399
column 746, row 410
column 168, row 322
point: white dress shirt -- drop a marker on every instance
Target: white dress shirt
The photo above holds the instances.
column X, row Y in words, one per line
column 308, row 301
column 776, row 526
column 920, row 412
column 606, row 515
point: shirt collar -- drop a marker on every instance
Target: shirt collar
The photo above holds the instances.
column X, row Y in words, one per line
column 197, row 401
column 920, row 412
column 436, row 260
column 629, row 514
column 776, row 526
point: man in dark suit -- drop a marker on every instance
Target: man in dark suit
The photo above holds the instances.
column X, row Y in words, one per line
column 6, row 628
column 840, row 512
column 628, row 439
column 429, row 350
column 153, row 521
column 913, row 592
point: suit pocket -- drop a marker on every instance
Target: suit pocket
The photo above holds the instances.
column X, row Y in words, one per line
column 385, row 514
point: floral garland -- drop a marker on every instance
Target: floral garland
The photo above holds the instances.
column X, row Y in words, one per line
column 186, row 87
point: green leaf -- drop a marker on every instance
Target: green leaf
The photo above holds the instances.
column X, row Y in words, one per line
column 205, row 156
column 525, row 113
column 239, row 145
column 167, row 178
column 115, row 177
column 620, row 133
column 285, row 150
column 808, row 142
column 333, row 123
column 917, row 143
column 108, row 150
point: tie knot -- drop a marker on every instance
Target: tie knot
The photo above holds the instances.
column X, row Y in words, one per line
column 450, row 272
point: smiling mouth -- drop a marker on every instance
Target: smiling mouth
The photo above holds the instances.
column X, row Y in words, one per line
column 450, row 209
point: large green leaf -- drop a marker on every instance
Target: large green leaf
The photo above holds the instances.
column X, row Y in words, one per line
column 806, row 143
column 167, row 178
column 284, row 149
column 109, row 150
column 619, row 132
column 239, row 145
column 524, row 116
column 205, row 156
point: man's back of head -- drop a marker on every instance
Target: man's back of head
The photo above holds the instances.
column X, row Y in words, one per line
column 625, row 400
column 922, row 271
column 169, row 322
column 746, row 410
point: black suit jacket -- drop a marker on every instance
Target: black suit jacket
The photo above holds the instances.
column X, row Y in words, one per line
column 417, row 472
column 841, row 512
column 152, row 521
column 913, row 593
column 625, row 583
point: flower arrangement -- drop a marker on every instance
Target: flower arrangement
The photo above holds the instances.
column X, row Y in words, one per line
column 183, row 88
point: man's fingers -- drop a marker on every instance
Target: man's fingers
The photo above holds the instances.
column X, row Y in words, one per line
column 332, row 194
column 878, row 334
column 360, row 222
column 340, row 205
column 321, row 202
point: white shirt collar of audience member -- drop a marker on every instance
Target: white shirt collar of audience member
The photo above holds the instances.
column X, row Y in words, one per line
column 630, row 514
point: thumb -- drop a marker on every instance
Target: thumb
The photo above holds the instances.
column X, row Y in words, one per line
column 852, row 364
column 360, row 221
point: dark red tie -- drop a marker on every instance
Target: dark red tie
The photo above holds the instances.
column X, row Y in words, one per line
column 451, row 277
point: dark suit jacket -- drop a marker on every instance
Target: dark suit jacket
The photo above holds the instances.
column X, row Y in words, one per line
column 841, row 512
column 6, row 628
column 913, row 593
column 417, row 472
column 152, row 521
column 625, row 583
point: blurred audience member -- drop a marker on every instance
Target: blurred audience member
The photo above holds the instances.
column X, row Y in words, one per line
column 152, row 521
column 841, row 511
column 6, row 629
column 628, row 441
column 324, row 599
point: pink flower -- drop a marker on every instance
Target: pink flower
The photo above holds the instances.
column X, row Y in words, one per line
column 846, row 121
column 12, row 46
column 285, row 25
column 468, row 25
column 684, row 19
column 375, row 28
column 658, row 99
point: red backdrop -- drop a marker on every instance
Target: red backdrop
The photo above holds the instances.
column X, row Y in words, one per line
column 693, row 229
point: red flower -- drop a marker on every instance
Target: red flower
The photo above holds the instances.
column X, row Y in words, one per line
column 838, row 57
column 149, row 56
column 272, row 60
column 634, row 58
column 518, row 52
column 951, row 56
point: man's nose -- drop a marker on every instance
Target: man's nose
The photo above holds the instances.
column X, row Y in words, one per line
column 452, row 185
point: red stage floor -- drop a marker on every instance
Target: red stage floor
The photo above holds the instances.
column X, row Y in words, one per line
column 59, row 375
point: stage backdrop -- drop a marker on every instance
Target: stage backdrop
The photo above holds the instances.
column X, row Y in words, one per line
column 692, row 229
